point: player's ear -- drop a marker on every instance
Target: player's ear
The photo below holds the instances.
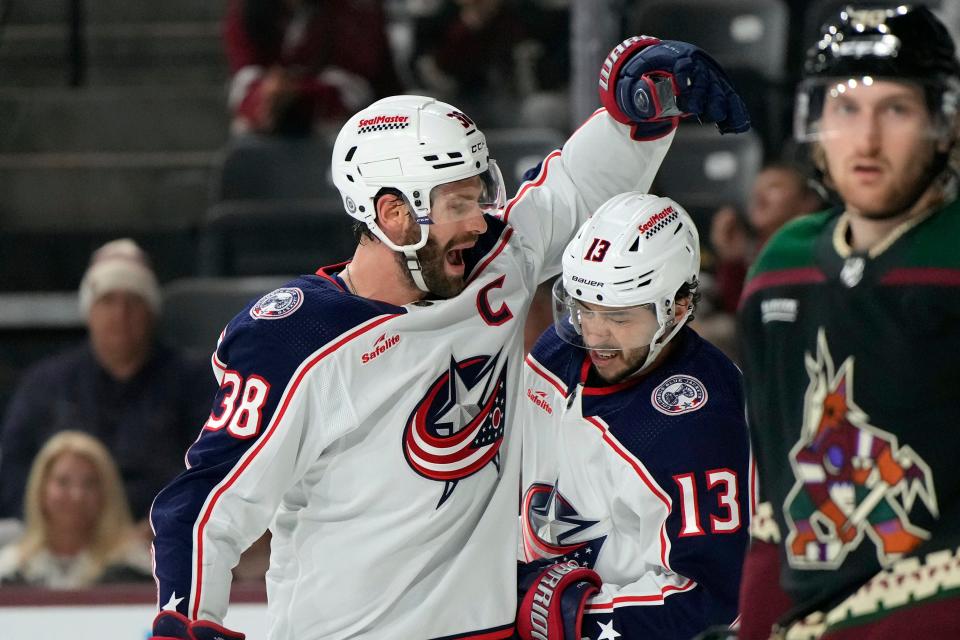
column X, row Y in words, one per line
column 391, row 211
column 680, row 306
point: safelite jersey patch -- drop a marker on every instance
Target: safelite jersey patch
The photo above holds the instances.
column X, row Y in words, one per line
column 679, row 394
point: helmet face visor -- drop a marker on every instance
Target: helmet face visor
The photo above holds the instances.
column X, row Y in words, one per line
column 836, row 108
column 458, row 201
column 592, row 326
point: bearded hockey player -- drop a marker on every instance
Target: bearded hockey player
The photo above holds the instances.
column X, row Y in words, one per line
column 851, row 324
column 365, row 414
column 636, row 459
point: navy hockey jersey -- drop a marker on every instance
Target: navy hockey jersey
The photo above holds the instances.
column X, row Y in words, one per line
column 647, row 481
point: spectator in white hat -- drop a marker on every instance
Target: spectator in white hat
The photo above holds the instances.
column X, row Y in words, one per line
column 144, row 400
column 120, row 299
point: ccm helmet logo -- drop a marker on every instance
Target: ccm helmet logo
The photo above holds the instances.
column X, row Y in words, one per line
column 655, row 218
column 584, row 281
column 478, row 146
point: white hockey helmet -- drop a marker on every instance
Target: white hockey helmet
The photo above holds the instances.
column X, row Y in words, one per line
column 412, row 144
column 627, row 263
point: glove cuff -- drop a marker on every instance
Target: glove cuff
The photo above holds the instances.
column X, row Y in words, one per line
column 552, row 608
column 611, row 69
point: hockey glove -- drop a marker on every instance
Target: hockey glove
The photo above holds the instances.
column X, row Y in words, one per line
column 553, row 599
column 651, row 84
column 171, row 625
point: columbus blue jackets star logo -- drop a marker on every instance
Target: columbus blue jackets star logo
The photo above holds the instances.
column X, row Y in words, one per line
column 457, row 428
column 552, row 527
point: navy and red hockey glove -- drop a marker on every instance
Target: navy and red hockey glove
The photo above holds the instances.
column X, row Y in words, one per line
column 553, row 599
column 651, row 83
column 171, row 625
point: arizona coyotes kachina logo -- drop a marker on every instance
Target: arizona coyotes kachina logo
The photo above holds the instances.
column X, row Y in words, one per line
column 457, row 428
column 852, row 478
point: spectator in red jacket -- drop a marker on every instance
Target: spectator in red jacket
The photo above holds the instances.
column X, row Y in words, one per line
column 297, row 62
column 524, row 46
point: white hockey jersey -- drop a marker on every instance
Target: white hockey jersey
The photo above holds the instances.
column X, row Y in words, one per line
column 647, row 482
column 376, row 441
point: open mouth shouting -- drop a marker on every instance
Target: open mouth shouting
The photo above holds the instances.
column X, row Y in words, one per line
column 454, row 258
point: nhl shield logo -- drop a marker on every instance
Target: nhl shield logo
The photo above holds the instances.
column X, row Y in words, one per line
column 679, row 394
column 277, row 304
column 457, row 428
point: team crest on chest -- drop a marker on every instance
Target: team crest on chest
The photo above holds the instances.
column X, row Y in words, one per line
column 854, row 481
column 553, row 528
column 457, row 428
column 277, row 304
column 679, row 394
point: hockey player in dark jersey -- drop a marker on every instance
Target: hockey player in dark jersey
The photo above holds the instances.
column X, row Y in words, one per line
column 636, row 458
column 850, row 326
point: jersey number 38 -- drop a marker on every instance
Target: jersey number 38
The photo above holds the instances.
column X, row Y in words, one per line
column 241, row 405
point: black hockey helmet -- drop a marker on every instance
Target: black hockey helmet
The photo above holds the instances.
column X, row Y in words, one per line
column 902, row 42
column 905, row 43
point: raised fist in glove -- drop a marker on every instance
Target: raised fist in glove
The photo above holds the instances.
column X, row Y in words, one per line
column 171, row 625
column 552, row 600
column 651, row 84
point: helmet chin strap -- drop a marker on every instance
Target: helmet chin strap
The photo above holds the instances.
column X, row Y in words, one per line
column 415, row 270
column 409, row 252
column 656, row 345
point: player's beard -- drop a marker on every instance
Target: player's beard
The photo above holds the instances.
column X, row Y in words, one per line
column 628, row 363
column 432, row 258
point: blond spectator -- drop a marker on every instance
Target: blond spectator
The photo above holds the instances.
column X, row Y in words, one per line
column 78, row 531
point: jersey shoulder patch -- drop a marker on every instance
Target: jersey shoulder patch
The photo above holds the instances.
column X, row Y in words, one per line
column 680, row 393
column 277, row 304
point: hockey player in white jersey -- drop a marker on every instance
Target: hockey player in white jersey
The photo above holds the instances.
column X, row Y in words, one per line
column 365, row 412
column 636, row 458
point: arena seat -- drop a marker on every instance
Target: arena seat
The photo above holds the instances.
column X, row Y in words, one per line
column 517, row 150
column 246, row 238
column 705, row 170
column 748, row 37
column 258, row 167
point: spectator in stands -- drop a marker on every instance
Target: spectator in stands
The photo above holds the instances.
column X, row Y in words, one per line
column 780, row 193
column 146, row 401
column 524, row 46
column 79, row 531
column 297, row 63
